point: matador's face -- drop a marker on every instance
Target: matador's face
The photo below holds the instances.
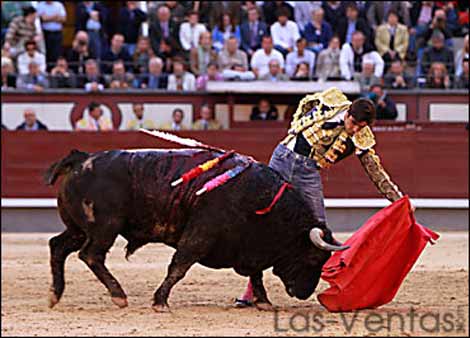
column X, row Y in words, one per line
column 351, row 125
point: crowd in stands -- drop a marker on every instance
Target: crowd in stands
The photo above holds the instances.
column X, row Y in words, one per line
column 181, row 45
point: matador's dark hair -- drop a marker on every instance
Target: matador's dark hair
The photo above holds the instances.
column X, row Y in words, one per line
column 363, row 110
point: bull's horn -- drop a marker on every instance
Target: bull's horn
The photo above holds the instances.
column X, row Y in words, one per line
column 316, row 236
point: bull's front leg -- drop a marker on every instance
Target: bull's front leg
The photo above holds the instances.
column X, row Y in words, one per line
column 191, row 248
column 260, row 298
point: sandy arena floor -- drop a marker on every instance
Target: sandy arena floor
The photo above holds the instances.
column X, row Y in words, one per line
column 434, row 294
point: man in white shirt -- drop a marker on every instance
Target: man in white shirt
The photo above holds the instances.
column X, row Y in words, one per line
column 350, row 58
column 284, row 32
column 190, row 31
column 260, row 60
column 53, row 15
column 31, row 54
column 301, row 55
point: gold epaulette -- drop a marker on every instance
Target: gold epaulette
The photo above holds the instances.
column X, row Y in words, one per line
column 328, row 103
column 364, row 139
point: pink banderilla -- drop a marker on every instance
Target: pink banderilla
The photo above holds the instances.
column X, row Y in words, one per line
column 221, row 179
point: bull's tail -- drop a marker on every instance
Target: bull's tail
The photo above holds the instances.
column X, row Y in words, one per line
column 64, row 166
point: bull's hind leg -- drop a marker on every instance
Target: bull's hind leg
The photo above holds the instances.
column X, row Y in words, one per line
column 260, row 298
column 60, row 247
column 94, row 253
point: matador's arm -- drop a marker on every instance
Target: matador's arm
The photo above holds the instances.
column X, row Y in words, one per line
column 364, row 142
column 371, row 163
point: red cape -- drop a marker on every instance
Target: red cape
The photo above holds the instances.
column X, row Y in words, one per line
column 381, row 253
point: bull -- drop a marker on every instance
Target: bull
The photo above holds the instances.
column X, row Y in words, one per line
column 128, row 193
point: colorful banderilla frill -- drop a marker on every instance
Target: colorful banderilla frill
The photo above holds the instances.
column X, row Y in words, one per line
column 222, row 179
column 195, row 172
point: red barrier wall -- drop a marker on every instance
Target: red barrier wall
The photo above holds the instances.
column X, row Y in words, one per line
column 427, row 160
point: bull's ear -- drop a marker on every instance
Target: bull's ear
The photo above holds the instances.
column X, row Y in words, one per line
column 316, row 236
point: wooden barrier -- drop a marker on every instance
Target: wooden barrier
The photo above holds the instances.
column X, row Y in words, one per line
column 427, row 160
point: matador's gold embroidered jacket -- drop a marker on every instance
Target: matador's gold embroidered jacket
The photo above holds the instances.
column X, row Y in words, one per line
column 317, row 131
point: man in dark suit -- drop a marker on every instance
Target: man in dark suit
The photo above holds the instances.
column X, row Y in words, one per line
column 352, row 22
column 252, row 31
column 264, row 111
column 31, row 122
column 163, row 27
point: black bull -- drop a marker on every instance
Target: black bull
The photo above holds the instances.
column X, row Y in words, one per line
column 128, row 193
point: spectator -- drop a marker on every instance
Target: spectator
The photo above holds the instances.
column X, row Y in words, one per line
column 350, row 58
column 95, row 121
column 438, row 52
column 79, row 53
column 460, row 56
column 155, row 78
column 333, row 10
column 92, row 18
column 31, row 122
column 439, row 23
column 201, row 55
column 34, row 80
column 450, row 9
column 367, row 78
column 177, row 121
column 119, row 78
column 130, row 19
column 31, row 54
column 302, row 12
column 384, row 106
column 10, row 10
column 264, row 111
column 211, row 11
column 298, row 56
column 8, row 73
column 231, row 55
column 378, row 12
column 21, row 29
column 177, row 11
column 252, row 32
column 271, row 8
column 115, row 52
column 438, row 77
column 261, row 58
column 206, row 122
column 212, row 74
column 142, row 55
column 61, row 75
column 225, row 29
column 302, row 72
column 397, row 78
column 318, row 32
column 190, row 32
column 167, row 52
column 328, row 60
column 275, row 72
column 391, row 39
column 180, row 79
column 284, row 33
column 92, row 80
column 163, row 27
column 462, row 80
column 139, row 122
column 246, row 7
column 352, row 22
column 238, row 73
column 53, row 15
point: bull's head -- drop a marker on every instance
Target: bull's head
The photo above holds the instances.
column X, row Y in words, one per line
column 300, row 271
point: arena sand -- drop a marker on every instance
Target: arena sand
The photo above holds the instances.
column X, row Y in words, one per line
column 433, row 300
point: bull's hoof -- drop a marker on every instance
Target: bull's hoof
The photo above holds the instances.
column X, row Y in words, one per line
column 264, row 306
column 161, row 308
column 121, row 302
column 53, row 299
